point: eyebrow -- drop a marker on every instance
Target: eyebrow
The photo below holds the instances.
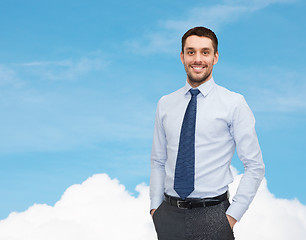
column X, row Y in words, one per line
column 191, row 48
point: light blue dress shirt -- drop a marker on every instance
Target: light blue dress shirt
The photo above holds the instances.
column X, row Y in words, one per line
column 224, row 121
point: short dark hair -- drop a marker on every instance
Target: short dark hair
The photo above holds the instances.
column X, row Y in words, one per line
column 201, row 32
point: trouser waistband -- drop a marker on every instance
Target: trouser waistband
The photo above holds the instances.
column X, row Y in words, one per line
column 196, row 202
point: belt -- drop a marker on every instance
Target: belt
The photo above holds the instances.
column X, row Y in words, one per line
column 195, row 202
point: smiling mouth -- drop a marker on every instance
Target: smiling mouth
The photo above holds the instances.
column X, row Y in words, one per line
column 198, row 68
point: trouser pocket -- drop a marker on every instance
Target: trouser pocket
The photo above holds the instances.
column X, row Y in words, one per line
column 156, row 213
column 225, row 219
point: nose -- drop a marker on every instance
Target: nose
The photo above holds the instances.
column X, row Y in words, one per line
column 197, row 57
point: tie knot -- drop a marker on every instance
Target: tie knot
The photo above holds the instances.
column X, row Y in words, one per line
column 194, row 92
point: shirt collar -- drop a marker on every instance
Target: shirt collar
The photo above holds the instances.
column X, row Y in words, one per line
column 204, row 88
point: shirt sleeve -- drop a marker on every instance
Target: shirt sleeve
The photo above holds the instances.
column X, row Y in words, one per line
column 248, row 150
column 158, row 160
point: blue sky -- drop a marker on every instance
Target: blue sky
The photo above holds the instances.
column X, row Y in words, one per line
column 79, row 83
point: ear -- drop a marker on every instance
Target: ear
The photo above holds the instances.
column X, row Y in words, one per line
column 182, row 57
column 216, row 57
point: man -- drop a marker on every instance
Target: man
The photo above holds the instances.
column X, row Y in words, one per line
column 197, row 129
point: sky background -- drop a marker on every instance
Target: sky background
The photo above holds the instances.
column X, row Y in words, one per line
column 80, row 80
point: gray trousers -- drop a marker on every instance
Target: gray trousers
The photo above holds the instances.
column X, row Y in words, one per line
column 204, row 223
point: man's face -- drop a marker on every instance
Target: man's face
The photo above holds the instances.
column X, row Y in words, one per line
column 198, row 58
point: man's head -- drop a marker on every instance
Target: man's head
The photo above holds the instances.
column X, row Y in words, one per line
column 201, row 32
column 199, row 54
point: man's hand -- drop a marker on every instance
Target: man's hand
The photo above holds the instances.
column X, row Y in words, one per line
column 232, row 221
column 152, row 212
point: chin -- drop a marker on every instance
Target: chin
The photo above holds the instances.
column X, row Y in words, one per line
column 198, row 80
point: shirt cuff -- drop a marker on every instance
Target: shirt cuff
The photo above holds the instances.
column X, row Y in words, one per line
column 236, row 210
column 155, row 202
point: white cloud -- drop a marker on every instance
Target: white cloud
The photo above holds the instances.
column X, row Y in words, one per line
column 8, row 77
column 212, row 17
column 271, row 218
column 101, row 208
column 166, row 39
column 216, row 16
column 286, row 100
column 72, row 118
column 47, row 115
column 273, row 89
column 67, row 69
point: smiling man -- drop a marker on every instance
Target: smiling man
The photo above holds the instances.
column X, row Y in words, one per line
column 197, row 129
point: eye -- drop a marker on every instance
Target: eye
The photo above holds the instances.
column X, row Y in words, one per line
column 190, row 52
column 205, row 53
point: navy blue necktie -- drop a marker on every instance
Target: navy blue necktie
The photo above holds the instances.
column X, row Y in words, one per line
column 184, row 170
